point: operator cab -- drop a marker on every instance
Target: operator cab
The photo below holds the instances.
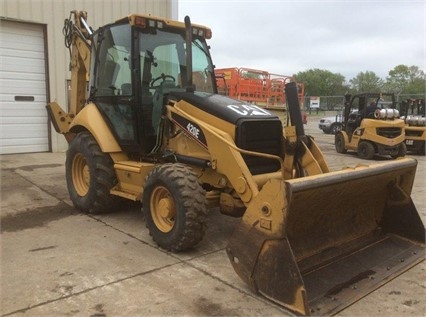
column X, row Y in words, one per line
column 137, row 62
column 364, row 106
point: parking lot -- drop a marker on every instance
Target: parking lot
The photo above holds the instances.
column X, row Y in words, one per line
column 56, row 261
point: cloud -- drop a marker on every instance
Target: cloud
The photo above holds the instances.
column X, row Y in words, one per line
column 286, row 37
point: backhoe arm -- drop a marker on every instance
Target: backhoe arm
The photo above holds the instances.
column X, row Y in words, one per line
column 77, row 39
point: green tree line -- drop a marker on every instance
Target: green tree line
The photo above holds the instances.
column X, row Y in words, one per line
column 402, row 79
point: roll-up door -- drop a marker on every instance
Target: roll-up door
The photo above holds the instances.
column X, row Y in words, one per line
column 23, row 117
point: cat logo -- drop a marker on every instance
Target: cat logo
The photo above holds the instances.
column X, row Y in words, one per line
column 248, row 110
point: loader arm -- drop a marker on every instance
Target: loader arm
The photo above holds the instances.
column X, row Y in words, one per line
column 302, row 156
column 77, row 40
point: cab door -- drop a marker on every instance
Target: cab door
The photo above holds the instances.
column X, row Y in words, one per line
column 112, row 88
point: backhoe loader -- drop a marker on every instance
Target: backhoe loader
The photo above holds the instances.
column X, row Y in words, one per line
column 153, row 129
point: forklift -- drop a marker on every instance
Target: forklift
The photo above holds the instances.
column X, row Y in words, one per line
column 371, row 126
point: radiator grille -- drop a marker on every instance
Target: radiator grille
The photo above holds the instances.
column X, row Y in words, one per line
column 390, row 133
column 263, row 136
column 417, row 133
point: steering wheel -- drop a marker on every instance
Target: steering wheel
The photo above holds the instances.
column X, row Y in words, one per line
column 163, row 77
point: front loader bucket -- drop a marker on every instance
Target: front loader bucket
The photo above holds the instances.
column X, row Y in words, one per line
column 317, row 244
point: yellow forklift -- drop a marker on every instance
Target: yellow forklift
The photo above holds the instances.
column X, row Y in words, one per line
column 371, row 126
column 413, row 113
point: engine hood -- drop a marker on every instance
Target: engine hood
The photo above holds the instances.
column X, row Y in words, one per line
column 223, row 107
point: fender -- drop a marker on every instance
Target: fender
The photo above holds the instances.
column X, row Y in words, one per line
column 345, row 137
column 91, row 119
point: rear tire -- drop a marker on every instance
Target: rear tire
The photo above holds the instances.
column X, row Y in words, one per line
column 175, row 207
column 90, row 175
column 339, row 143
column 421, row 150
column 402, row 151
column 366, row 150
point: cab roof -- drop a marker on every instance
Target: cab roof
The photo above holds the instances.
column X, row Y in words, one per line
column 148, row 20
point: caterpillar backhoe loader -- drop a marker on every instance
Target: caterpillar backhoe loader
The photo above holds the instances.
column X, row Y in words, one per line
column 154, row 129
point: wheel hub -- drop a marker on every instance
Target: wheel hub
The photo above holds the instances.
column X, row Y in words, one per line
column 80, row 174
column 163, row 209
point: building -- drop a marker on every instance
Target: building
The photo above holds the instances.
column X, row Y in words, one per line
column 34, row 63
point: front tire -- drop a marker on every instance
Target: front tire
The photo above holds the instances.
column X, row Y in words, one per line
column 366, row 150
column 90, row 175
column 339, row 143
column 175, row 207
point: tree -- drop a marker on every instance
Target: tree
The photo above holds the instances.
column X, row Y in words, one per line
column 406, row 80
column 366, row 82
column 319, row 82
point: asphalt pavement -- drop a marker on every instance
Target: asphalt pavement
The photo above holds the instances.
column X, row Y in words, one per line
column 56, row 261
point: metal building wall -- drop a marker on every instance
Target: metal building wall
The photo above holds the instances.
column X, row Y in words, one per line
column 53, row 12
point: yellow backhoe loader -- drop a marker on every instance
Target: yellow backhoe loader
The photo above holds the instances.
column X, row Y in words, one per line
column 154, row 129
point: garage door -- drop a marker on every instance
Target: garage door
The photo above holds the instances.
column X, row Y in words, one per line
column 23, row 117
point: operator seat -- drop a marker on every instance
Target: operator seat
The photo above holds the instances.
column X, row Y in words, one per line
column 107, row 78
column 353, row 122
column 126, row 89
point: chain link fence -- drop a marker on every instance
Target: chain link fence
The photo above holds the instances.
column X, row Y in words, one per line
column 327, row 103
column 336, row 103
column 403, row 97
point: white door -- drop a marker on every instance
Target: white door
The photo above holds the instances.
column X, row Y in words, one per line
column 23, row 116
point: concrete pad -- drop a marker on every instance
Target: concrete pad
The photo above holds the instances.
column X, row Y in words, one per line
column 47, row 170
column 28, row 197
column 177, row 290
column 31, row 160
column 131, row 221
column 67, row 256
column 50, row 179
column 218, row 266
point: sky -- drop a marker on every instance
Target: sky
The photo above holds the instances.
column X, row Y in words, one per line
column 289, row 36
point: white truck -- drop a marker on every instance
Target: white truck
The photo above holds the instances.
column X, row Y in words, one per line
column 331, row 124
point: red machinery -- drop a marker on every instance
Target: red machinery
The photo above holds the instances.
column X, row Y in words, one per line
column 256, row 86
